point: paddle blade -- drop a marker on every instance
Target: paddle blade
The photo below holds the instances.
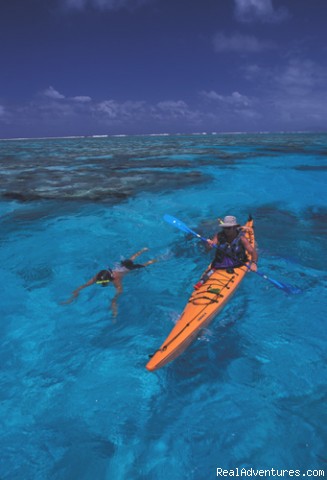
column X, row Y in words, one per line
column 282, row 286
column 180, row 225
column 291, row 289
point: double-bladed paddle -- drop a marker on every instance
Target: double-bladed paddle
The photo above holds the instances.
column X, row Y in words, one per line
column 181, row 226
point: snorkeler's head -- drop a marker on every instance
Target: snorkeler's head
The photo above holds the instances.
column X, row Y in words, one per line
column 104, row 277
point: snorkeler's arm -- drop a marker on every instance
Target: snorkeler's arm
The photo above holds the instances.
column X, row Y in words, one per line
column 87, row 284
column 154, row 260
column 252, row 251
column 76, row 292
column 138, row 253
column 119, row 290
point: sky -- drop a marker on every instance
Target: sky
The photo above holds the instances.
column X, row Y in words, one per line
column 97, row 67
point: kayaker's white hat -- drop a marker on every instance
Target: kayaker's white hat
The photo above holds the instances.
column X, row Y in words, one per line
column 229, row 221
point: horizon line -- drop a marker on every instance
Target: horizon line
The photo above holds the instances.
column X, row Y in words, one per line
column 97, row 136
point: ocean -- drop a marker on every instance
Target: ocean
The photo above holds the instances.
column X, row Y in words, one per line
column 250, row 393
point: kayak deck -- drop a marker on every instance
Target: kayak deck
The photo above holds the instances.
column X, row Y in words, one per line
column 201, row 308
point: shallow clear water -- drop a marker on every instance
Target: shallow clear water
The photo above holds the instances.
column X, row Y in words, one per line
column 76, row 399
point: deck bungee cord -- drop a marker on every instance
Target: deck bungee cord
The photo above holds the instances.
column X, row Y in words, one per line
column 215, row 289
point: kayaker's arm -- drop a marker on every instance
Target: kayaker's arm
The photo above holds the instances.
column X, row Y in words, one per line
column 213, row 242
column 252, row 251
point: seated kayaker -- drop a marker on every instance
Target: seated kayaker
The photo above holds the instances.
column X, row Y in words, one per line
column 114, row 276
column 233, row 247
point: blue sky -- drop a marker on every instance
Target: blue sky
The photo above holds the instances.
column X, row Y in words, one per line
column 84, row 67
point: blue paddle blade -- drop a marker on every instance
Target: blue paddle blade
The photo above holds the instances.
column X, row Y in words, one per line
column 292, row 290
column 282, row 286
column 178, row 224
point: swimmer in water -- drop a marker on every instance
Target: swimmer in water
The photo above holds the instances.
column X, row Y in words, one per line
column 107, row 276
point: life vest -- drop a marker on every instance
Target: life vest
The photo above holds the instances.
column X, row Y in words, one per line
column 229, row 254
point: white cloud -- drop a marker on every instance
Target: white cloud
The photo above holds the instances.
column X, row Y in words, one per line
column 75, row 4
column 239, row 100
column 52, row 93
column 251, row 72
column 140, row 112
column 288, row 96
column 239, row 43
column 105, row 4
column 212, row 95
column 259, row 10
column 82, row 99
column 132, row 108
column 296, row 77
column 233, row 109
column 119, row 111
column 109, row 107
column 175, row 108
column 292, row 95
column 235, row 99
column 301, row 75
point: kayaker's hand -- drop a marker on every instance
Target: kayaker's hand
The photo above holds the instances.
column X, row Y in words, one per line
column 211, row 243
column 253, row 266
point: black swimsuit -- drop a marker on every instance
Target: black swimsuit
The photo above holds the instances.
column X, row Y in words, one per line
column 130, row 265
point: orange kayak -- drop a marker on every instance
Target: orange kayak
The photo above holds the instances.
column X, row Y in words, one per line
column 202, row 307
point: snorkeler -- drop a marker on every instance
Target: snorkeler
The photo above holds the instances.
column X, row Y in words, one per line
column 114, row 276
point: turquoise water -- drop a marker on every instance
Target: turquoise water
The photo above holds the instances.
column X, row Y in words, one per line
column 76, row 399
